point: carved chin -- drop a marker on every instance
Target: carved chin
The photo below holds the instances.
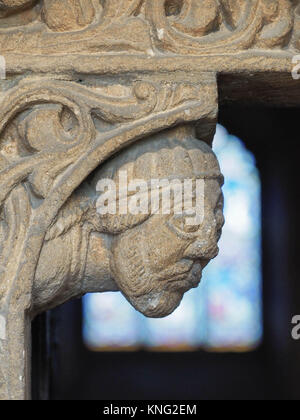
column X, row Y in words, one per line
column 156, row 304
column 158, row 299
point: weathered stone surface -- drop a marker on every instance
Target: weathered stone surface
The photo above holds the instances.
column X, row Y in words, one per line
column 179, row 26
column 53, row 135
column 88, row 252
column 94, row 87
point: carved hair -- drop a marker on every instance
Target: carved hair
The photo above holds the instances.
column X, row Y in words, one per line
column 171, row 155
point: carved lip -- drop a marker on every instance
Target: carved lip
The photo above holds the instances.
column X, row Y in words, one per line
column 181, row 274
column 190, row 279
column 178, row 277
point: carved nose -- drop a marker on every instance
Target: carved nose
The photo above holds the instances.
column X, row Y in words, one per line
column 207, row 249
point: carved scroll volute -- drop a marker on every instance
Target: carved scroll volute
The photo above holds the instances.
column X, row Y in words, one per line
column 194, row 17
column 49, row 144
column 69, row 15
column 279, row 17
column 178, row 26
column 194, row 27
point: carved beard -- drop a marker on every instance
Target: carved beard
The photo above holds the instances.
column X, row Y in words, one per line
column 141, row 289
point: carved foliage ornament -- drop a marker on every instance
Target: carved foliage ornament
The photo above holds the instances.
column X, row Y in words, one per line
column 194, row 26
column 178, row 26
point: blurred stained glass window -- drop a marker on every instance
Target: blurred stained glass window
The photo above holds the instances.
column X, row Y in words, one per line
column 225, row 312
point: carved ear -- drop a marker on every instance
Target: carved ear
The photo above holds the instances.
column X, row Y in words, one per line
column 68, row 15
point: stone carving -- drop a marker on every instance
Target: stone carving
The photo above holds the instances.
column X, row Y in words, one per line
column 110, row 27
column 146, row 26
column 195, row 27
column 94, row 85
column 87, row 252
column 10, row 6
column 53, row 135
column 70, row 15
column 18, row 12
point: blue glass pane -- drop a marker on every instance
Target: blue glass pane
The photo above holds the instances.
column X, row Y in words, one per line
column 233, row 280
column 225, row 312
column 109, row 321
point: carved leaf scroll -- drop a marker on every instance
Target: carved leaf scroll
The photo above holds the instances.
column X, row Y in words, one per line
column 168, row 26
column 68, row 15
column 205, row 26
column 194, row 17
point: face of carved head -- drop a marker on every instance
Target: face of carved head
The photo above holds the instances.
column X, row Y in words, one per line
column 155, row 263
column 156, row 260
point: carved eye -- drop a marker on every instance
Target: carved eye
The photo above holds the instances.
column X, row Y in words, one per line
column 180, row 225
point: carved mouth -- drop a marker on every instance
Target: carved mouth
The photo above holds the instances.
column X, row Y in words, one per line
column 177, row 272
column 188, row 280
column 179, row 277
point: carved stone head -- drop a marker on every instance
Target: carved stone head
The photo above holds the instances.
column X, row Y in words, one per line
column 155, row 262
column 152, row 257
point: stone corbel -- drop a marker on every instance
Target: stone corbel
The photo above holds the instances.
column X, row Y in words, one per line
column 54, row 134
